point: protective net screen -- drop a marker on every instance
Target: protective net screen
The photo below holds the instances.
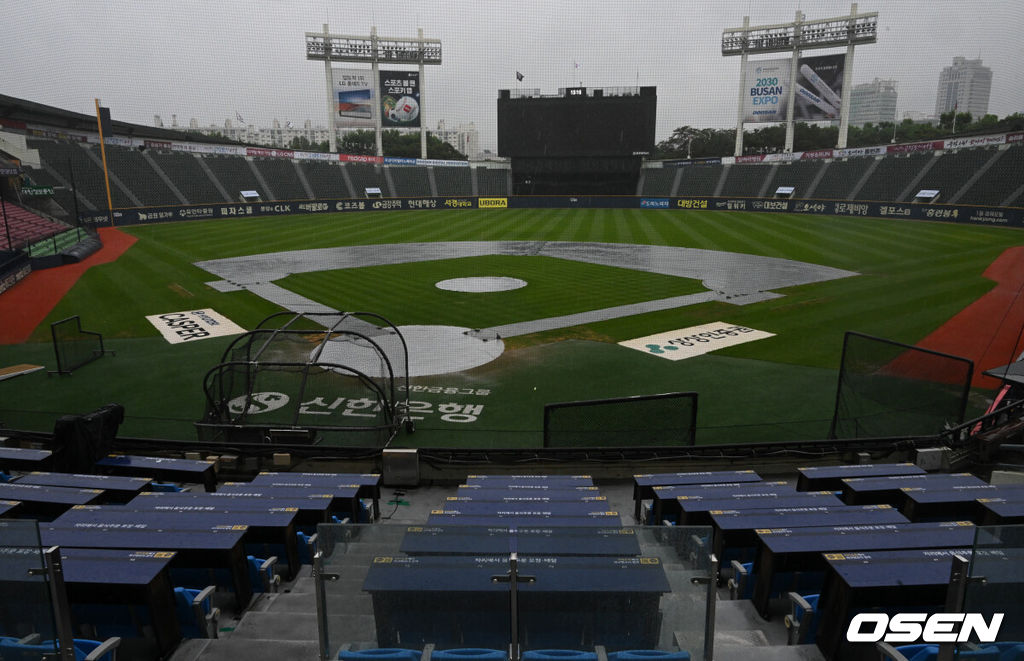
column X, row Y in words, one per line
column 73, row 346
column 651, row 420
column 892, row 389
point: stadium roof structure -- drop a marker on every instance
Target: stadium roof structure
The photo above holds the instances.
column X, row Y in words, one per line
column 19, row 110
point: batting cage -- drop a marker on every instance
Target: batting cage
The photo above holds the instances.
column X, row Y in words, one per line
column 891, row 389
column 297, row 378
column 73, row 346
column 664, row 420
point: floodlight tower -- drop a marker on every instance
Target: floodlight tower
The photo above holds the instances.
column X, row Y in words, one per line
column 371, row 50
column 800, row 35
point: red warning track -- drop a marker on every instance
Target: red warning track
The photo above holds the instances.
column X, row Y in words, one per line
column 26, row 304
column 988, row 331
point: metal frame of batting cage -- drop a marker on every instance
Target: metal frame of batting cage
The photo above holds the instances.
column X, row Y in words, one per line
column 62, row 366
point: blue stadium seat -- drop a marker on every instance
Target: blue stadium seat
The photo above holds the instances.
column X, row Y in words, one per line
column 559, row 655
column 649, row 655
column 380, row 654
column 197, row 617
column 262, row 574
column 32, row 649
column 927, row 652
column 802, row 620
column 469, row 654
column 307, row 547
column 741, row 585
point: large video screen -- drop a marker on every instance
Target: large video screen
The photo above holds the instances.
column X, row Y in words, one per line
column 577, row 124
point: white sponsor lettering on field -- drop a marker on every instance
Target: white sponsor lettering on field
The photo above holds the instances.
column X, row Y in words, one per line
column 178, row 327
column 696, row 340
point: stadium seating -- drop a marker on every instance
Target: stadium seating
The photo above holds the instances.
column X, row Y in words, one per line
column 453, row 181
column 235, row 175
column 492, row 181
column 72, row 163
column 840, row 178
column 744, row 180
column 326, row 180
column 380, row 654
column 411, row 181
column 658, row 181
column 366, row 176
column 891, row 177
column 951, row 171
column 138, row 175
column 282, row 177
column 1000, row 181
column 26, row 227
column 700, row 180
column 185, row 171
column 802, row 620
column 798, row 174
column 62, row 195
column 196, row 614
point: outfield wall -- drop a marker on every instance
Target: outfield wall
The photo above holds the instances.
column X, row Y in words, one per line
column 954, row 213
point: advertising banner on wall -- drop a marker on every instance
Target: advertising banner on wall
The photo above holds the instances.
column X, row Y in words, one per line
column 817, row 91
column 400, row 99
column 353, row 95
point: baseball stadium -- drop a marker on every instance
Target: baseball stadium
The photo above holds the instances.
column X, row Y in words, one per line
column 621, row 367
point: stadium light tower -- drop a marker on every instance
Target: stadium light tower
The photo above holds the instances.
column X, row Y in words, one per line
column 371, row 50
column 778, row 91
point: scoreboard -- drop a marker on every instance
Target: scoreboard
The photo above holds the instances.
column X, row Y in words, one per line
column 577, row 124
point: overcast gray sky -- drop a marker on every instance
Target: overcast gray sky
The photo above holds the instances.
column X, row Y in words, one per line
column 211, row 59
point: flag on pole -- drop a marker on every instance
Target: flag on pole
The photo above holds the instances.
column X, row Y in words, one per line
column 519, row 76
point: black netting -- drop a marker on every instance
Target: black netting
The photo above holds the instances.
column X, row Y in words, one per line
column 73, row 346
column 892, row 389
column 643, row 421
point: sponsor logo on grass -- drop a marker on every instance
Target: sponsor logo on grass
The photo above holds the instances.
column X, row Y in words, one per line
column 696, row 340
column 259, row 402
column 915, row 627
column 492, row 202
column 179, row 327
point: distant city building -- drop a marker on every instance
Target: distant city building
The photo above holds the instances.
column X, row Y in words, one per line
column 964, row 86
column 919, row 117
column 276, row 136
column 465, row 138
column 874, row 102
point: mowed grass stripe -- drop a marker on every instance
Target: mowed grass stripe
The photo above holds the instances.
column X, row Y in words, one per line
column 406, row 293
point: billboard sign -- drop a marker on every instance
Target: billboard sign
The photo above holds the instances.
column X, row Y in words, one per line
column 816, row 95
column 400, row 99
column 353, row 96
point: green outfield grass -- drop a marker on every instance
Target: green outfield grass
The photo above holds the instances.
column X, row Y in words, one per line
column 914, row 277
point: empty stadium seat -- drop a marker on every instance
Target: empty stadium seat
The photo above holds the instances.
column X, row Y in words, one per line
column 741, row 585
column 262, row 574
column 927, row 652
column 559, row 655
column 307, row 547
column 649, row 655
column 197, row 616
column 469, row 654
column 802, row 620
column 33, row 649
column 380, row 654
